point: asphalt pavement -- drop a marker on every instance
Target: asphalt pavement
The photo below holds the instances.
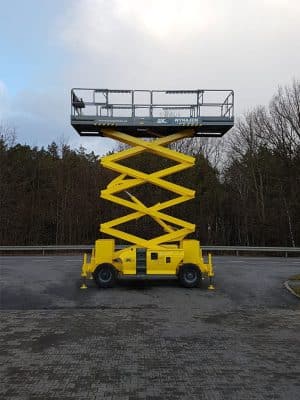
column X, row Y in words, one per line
column 150, row 339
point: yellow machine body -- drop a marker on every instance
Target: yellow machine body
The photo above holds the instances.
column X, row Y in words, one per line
column 165, row 261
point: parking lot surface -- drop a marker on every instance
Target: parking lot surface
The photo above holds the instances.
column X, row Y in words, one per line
column 151, row 339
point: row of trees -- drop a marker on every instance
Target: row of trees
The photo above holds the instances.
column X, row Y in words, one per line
column 263, row 172
column 247, row 185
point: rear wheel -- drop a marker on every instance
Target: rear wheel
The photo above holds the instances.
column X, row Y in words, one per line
column 105, row 276
column 190, row 276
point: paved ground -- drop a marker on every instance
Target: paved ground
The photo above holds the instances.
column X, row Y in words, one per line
column 150, row 340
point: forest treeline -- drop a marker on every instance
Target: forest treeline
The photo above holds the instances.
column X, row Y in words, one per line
column 247, row 185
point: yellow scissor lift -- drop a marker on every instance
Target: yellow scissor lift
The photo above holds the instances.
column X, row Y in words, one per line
column 130, row 116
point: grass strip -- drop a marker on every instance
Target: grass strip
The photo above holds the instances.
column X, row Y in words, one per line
column 295, row 278
column 296, row 289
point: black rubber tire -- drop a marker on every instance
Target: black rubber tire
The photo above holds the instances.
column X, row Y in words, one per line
column 190, row 276
column 105, row 276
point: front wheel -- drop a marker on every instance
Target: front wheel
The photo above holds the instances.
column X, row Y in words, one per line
column 105, row 276
column 189, row 276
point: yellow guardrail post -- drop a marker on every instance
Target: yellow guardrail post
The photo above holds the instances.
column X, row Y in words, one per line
column 84, row 272
column 211, row 273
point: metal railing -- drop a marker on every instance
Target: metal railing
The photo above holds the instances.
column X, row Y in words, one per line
column 237, row 250
column 152, row 103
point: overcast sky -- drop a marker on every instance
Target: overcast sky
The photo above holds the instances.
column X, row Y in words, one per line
column 48, row 47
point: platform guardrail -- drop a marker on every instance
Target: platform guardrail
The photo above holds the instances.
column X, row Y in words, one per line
column 151, row 103
column 237, row 250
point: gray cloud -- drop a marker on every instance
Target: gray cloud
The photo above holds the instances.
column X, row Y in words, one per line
column 249, row 46
column 245, row 45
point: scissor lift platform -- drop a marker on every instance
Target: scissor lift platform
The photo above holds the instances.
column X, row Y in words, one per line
column 165, row 116
column 152, row 113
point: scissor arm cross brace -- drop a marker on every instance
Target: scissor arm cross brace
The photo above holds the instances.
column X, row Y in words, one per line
column 175, row 229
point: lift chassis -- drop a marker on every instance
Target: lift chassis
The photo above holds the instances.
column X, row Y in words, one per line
column 169, row 254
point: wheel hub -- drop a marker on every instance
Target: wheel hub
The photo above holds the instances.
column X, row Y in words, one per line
column 190, row 276
column 105, row 276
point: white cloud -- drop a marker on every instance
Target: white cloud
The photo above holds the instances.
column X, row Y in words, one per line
column 250, row 46
column 164, row 19
column 2, row 88
column 4, row 101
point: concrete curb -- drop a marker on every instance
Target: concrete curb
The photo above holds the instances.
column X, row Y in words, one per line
column 287, row 286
